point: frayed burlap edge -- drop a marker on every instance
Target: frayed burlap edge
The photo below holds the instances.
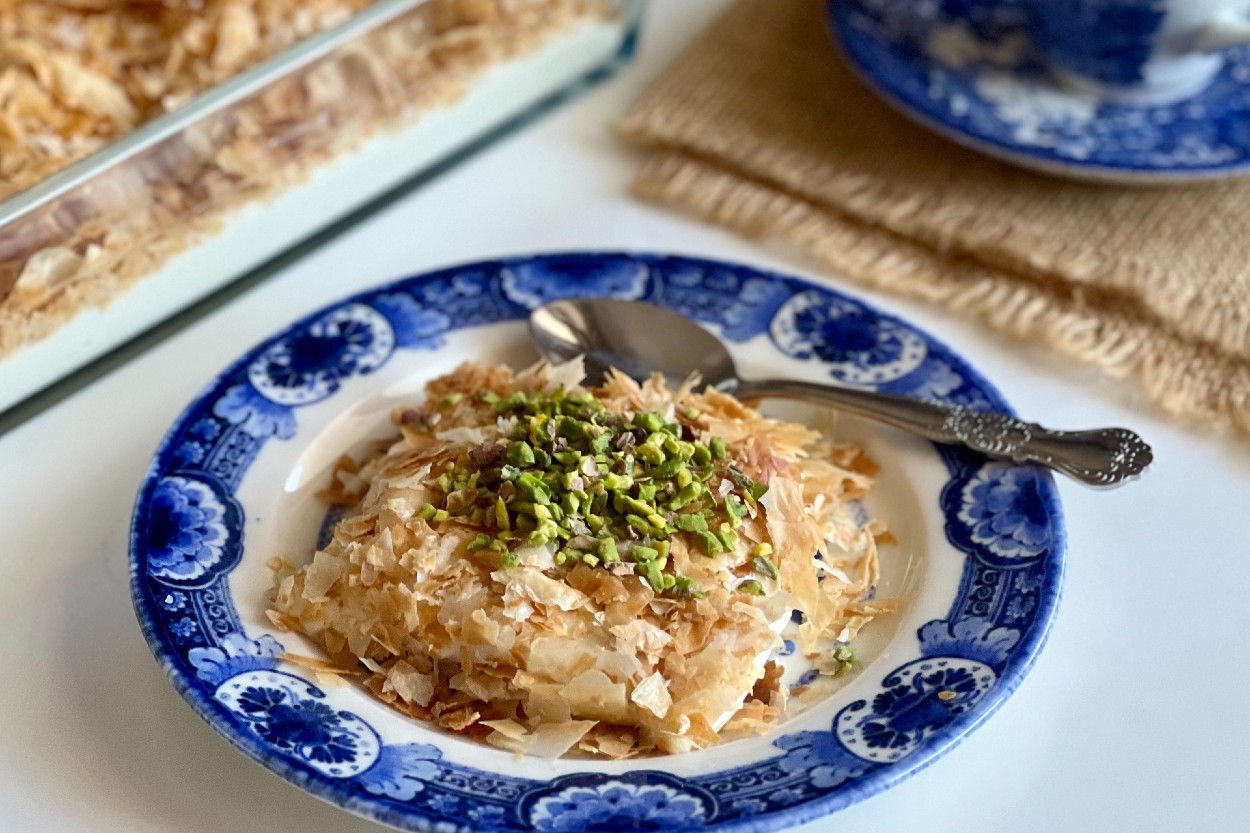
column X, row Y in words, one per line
column 1185, row 379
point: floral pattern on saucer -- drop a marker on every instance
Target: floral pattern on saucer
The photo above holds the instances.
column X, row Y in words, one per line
column 919, row 697
column 189, row 527
column 859, row 348
column 965, row 68
column 635, row 801
column 309, row 366
column 192, row 531
column 290, row 715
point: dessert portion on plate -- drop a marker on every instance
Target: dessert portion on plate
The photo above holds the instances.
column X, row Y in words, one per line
column 552, row 568
column 78, row 76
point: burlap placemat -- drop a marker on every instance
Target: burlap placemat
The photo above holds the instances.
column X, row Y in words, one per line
column 761, row 127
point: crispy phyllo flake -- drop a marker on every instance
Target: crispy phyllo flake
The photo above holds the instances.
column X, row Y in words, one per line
column 547, row 740
column 458, row 719
column 610, row 742
column 652, row 695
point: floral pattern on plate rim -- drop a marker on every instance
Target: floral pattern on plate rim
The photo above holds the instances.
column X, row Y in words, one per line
column 1005, row 518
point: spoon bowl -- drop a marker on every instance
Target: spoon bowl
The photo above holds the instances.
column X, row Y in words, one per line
column 634, row 337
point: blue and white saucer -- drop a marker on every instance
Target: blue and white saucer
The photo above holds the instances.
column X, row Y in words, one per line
column 971, row 75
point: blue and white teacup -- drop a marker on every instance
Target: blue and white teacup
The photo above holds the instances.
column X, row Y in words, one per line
column 1138, row 51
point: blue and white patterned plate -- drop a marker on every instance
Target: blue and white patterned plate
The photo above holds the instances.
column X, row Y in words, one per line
column 234, row 484
column 965, row 69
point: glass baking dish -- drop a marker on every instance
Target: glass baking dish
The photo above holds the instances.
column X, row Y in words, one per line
column 106, row 248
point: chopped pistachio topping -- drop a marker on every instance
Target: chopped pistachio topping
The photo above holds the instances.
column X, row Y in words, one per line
column 641, row 553
column 608, row 553
column 710, row 543
column 763, row 564
column 692, row 522
column 683, row 586
column 619, row 488
column 846, row 655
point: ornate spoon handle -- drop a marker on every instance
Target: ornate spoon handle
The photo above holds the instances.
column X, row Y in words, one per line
column 1100, row 457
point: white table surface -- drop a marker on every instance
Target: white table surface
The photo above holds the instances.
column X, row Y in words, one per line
column 1135, row 717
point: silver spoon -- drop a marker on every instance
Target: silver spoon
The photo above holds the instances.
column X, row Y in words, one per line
column 639, row 338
